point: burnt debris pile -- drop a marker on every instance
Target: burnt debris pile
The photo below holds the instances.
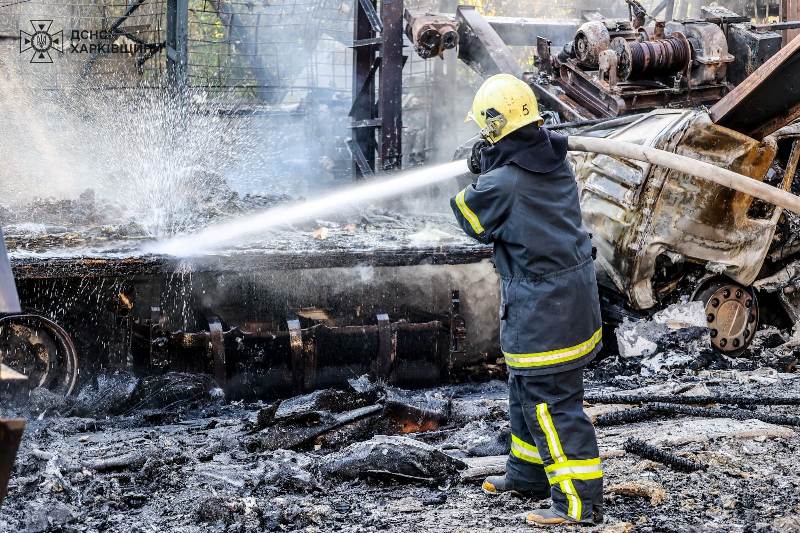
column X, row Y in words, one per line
column 171, row 448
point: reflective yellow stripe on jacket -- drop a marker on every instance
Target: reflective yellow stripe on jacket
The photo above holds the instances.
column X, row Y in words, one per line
column 554, row 357
column 468, row 213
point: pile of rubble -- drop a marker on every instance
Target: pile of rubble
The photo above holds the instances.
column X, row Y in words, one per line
column 171, row 453
column 92, row 226
column 677, row 340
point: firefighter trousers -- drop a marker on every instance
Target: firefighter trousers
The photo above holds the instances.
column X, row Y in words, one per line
column 553, row 443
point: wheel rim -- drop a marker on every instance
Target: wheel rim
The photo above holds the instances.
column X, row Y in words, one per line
column 40, row 349
column 732, row 315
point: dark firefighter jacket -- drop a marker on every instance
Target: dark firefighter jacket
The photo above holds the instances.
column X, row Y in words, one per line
column 525, row 202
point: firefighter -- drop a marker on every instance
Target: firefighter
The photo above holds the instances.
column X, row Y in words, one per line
column 525, row 202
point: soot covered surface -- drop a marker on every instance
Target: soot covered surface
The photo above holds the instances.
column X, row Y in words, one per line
column 120, row 457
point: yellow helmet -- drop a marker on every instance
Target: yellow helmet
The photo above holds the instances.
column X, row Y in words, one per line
column 503, row 104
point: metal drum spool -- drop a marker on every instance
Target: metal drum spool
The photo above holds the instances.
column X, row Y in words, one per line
column 649, row 59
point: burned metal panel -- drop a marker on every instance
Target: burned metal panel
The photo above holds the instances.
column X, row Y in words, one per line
column 765, row 101
column 638, row 212
column 481, row 48
column 751, row 48
column 522, row 31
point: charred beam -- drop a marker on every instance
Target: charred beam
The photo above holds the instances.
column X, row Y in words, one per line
column 628, row 416
column 646, row 451
column 390, row 87
column 730, row 399
column 736, row 414
column 766, row 100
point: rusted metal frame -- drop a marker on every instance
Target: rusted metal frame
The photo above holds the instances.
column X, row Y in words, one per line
column 583, row 89
column 363, row 144
column 390, row 86
column 586, row 92
column 10, row 436
column 156, row 324
column 484, row 51
column 372, row 41
column 767, row 99
column 543, row 59
column 151, row 52
column 216, row 345
column 481, row 48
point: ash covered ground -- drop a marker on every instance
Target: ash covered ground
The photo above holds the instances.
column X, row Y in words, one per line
column 170, row 453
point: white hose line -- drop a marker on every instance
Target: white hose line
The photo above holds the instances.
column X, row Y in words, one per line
column 684, row 164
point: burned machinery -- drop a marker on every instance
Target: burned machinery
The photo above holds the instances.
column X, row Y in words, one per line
column 612, row 67
column 309, row 322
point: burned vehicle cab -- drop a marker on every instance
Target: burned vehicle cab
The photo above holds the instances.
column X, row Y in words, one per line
column 651, row 225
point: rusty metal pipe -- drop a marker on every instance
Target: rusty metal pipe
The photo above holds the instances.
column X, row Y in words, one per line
column 692, row 167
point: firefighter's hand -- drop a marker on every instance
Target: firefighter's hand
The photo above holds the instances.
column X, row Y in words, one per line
column 474, row 161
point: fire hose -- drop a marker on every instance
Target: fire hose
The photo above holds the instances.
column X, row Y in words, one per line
column 686, row 165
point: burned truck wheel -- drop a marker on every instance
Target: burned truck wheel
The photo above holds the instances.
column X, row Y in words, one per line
column 731, row 312
column 41, row 350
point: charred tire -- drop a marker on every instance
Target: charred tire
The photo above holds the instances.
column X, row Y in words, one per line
column 41, row 349
column 731, row 313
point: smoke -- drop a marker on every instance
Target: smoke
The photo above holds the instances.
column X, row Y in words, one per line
column 156, row 157
column 172, row 164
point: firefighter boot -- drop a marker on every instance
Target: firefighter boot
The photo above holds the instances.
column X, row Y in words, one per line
column 549, row 517
column 500, row 484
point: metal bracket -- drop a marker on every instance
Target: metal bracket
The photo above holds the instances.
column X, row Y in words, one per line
column 358, row 156
column 458, row 330
column 296, row 347
column 217, row 347
column 363, row 91
column 387, row 347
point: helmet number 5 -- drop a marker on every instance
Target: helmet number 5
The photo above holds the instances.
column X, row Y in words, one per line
column 525, row 110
